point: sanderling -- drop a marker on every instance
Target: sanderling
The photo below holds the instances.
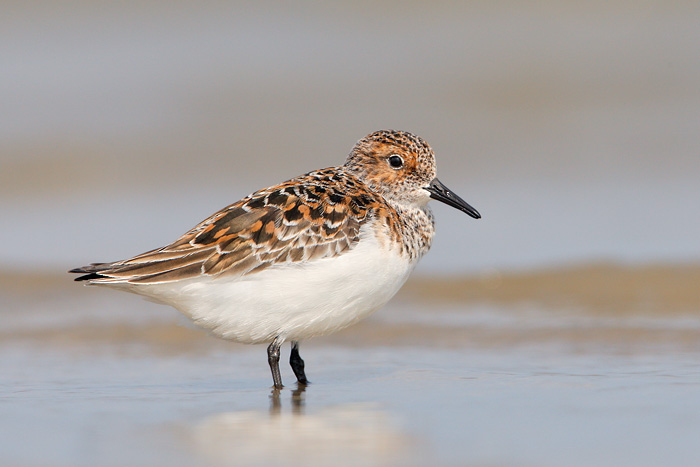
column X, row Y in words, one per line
column 305, row 258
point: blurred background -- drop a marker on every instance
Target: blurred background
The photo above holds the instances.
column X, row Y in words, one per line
column 573, row 127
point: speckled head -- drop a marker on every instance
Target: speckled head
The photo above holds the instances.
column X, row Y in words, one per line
column 401, row 167
column 396, row 164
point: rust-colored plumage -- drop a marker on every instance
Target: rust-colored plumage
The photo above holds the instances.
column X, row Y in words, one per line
column 304, row 258
column 309, row 217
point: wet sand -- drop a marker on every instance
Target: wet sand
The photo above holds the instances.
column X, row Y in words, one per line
column 595, row 364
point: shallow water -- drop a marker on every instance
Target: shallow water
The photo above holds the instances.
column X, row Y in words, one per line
column 375, row 405
column 92, row 376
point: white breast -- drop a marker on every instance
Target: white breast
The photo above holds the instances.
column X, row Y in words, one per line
column 294, row 301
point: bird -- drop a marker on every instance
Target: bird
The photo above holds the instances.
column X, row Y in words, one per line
column 301, row 259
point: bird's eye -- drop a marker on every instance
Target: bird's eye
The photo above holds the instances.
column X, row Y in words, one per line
column 395, row 161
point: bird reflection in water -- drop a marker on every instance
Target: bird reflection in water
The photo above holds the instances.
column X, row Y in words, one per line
column 361, row 432
column 297, row 398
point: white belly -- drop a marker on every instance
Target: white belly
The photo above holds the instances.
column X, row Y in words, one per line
column 296, row 301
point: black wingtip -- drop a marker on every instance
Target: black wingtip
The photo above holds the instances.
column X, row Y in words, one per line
column 87, row 274
column 88, row 277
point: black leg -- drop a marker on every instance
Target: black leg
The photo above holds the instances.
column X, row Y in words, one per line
column 273, row 358
column 297, row 364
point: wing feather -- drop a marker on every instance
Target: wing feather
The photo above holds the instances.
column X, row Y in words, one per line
column 308, row 218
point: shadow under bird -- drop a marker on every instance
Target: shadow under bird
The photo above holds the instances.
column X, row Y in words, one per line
column 305, row 258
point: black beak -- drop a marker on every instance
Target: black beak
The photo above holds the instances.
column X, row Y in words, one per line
column 440, row 192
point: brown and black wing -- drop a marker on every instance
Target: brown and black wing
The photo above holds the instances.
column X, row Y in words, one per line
column 307, row 218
